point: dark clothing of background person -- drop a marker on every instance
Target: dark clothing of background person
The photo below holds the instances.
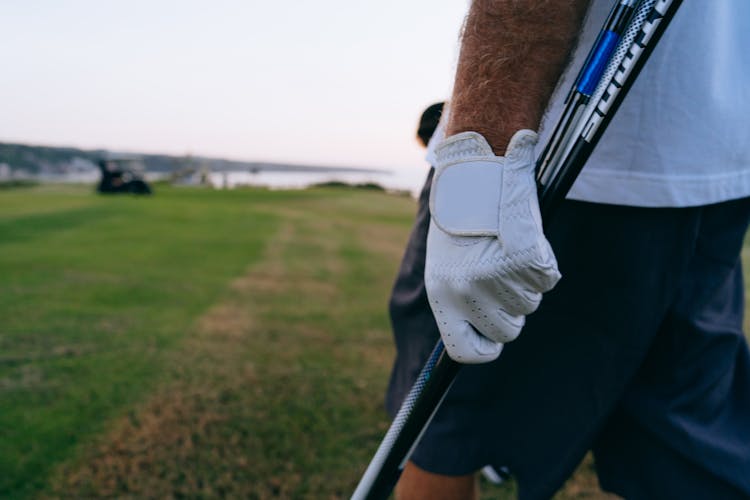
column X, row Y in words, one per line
column 413, row 324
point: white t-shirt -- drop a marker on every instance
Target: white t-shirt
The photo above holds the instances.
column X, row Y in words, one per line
column 682, row 135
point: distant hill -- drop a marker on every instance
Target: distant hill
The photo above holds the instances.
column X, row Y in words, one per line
column 33, row 160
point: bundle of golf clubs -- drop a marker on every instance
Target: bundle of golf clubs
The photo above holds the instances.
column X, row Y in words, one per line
column 629, row 35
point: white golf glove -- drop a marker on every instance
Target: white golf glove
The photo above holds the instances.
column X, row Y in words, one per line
column 488, row 261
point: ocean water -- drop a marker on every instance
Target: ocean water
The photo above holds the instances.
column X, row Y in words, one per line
column 406, row 179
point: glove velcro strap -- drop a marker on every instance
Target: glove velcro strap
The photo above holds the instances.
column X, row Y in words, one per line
column 465, row 197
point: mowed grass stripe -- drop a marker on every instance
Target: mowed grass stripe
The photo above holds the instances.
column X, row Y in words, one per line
column 283, row 394
column 88, row 309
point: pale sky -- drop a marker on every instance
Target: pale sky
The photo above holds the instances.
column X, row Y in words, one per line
column 334, row 82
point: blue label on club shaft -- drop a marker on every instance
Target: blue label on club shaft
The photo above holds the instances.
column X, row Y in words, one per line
column 598, row 62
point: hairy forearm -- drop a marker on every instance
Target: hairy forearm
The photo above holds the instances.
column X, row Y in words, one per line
column 512, row 54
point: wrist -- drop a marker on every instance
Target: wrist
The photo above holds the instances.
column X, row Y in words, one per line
column 498, row 136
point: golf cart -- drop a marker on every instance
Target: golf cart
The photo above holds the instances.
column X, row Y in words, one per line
column 122, row 175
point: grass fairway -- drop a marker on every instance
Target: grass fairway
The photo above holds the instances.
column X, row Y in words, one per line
column 94, row 293
column 197, row 343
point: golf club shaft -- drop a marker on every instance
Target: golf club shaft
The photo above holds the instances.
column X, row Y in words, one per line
column 588, row 78
column 603, row 107
column 411, row 421
column 548, row 165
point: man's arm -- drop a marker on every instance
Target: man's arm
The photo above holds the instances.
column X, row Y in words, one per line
column 512, row 54
column 488, row 262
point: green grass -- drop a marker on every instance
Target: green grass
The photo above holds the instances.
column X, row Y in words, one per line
column 93, row 292
column 228, row 343
column 197, row 343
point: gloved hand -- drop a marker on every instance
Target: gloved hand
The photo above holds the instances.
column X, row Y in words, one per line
column 488, row 261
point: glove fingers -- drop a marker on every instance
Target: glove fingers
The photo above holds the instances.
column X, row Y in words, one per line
column 542, row 274
column 465, row 345
column 512, row 297
column 496, row 323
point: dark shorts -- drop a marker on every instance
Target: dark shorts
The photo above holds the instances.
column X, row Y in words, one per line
column 638, row 354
